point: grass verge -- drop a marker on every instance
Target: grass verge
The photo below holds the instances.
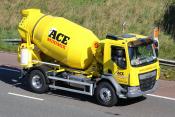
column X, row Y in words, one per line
column 167, row 73
column 100, row 16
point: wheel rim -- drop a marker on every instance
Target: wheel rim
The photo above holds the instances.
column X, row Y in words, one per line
column 105, row 94
column 37, row 82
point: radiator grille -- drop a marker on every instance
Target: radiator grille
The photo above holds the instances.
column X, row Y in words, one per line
column 147, row 80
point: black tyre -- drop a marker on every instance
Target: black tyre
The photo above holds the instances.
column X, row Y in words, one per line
column 106, row 95
column 37, row 81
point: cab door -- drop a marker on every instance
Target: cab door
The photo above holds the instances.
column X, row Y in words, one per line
column 119, row 62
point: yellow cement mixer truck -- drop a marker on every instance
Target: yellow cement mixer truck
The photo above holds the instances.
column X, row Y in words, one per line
column 56, row 53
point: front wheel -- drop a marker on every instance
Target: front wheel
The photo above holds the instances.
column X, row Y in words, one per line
column 37, row 81
column 105, row 94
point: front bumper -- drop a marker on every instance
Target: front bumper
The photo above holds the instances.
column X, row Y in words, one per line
column 136, row 92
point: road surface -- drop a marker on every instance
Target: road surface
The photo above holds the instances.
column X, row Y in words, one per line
column 17, row 101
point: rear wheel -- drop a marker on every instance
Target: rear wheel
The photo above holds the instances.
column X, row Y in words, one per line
column 105, row 94
column 37, row 81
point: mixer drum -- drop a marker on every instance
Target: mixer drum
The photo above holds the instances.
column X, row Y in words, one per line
column 59, row 38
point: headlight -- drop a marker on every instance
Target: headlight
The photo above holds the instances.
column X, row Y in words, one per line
column 147, row 75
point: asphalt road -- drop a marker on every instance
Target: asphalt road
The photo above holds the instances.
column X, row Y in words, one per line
column 17, row 101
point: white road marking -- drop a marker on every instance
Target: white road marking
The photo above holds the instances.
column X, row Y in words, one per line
column 10, row 69
column 163, row 97
column 25, row 96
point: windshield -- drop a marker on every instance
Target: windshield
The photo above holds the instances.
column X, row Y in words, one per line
column 141, row 54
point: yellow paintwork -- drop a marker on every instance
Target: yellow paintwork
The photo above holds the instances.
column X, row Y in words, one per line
column 79, row 51
column 134, row 80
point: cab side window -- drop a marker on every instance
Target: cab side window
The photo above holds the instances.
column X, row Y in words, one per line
column 118, row 56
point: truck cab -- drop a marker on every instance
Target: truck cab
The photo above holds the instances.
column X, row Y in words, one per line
column 132, row 61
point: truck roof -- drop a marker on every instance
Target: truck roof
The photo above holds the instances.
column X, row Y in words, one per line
column 125, row 38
